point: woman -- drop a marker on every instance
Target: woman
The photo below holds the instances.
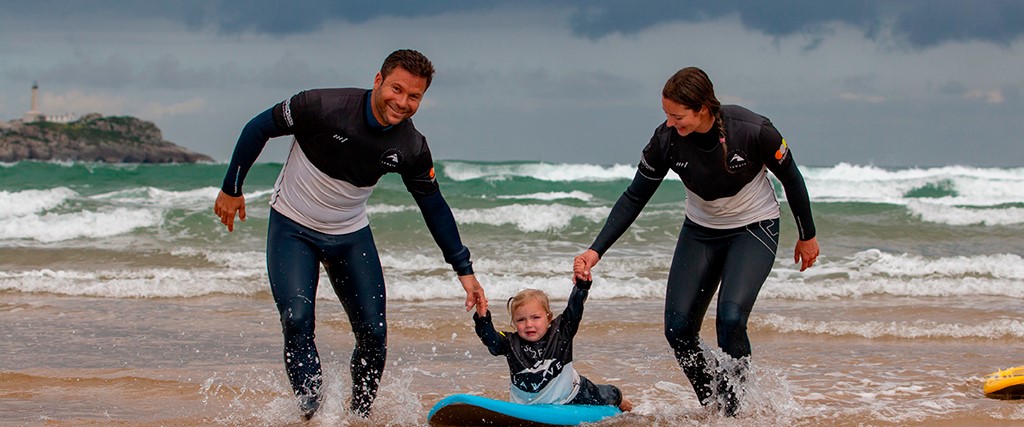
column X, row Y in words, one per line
column 731, row 232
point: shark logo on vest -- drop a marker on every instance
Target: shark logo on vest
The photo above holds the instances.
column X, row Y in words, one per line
column 736, row 160
column 390, row 160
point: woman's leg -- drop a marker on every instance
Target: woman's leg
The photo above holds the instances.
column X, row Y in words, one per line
column 749, row 260
column 692, row 281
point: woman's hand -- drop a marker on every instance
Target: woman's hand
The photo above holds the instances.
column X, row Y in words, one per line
column 806, row 253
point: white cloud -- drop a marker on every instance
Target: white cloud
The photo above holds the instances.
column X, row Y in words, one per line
column 990, row 97
column 736, row 100
column 856, row 97
column 156, row 110
column 79, row 102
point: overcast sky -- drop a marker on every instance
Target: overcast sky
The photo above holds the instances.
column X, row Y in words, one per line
column 867, row 82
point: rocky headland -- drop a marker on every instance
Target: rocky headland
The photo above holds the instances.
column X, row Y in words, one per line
column 92, row 138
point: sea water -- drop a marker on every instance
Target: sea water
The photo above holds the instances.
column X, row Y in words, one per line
column 124, row 300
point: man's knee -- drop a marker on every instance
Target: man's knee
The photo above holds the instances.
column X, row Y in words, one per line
column 371, row 333
column 298, row 317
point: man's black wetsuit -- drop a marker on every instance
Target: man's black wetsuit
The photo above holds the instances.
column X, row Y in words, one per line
column 318, row 216
column 542, row 371
column 729, row 236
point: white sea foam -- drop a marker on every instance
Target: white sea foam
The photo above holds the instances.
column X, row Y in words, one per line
column 953, row 215
column 918, row 287
column 462, row 171
column 383, row 209
column 143, row 283
column 22, row 203
column 421, row 277
column 953, row 195
column 239, row 261
column 554, row 195
column 53, row 227
column 197, row 199
column 874, row 272
column 155, row 197
column 39, row 214
column 969, row 186
column 991, row 329
column 876, row 263
column 529, row 218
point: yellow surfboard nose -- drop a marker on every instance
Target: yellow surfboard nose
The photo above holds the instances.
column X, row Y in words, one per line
column 1005, row 384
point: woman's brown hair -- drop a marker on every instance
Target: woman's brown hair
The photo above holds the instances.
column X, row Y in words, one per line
column 692, row 88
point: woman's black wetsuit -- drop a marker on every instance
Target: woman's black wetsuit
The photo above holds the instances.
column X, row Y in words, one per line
column 729, row 237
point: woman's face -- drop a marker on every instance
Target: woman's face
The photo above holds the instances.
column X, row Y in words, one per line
column 685, row 120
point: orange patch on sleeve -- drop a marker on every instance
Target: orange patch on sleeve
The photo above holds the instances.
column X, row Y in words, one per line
column 432, row 172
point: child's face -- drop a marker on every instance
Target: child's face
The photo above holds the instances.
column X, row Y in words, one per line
column 531, row 320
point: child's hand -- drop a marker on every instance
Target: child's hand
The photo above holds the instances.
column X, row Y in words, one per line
column 582, row 264
column 481, row 308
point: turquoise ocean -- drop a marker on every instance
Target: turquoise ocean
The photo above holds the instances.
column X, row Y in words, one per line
column 123, row 300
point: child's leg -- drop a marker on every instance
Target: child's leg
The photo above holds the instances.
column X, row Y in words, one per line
column 598, row 394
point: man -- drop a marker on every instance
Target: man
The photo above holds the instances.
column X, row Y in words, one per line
column 344, row 141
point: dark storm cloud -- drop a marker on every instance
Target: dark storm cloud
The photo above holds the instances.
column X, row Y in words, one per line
column 272, row 17
column 929, row 23
column 776, row 18
column 920, row 23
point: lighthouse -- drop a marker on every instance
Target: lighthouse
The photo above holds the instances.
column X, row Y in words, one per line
column 33, row 114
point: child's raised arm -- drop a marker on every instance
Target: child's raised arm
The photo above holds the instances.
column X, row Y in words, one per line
column 494, row 340
column 573, row 313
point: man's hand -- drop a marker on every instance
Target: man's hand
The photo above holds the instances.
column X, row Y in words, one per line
column 227, row 206
column 474, row 294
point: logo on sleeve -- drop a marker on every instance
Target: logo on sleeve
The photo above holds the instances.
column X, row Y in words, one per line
column 287, row 110
column 390, row 160
column 646, row 166
column 783, row 150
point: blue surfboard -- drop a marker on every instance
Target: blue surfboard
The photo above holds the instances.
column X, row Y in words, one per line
column 469, row 410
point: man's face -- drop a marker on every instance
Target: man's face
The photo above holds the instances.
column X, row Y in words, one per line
column 397, row 96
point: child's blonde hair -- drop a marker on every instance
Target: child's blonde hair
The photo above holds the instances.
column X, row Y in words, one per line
column 521, row 297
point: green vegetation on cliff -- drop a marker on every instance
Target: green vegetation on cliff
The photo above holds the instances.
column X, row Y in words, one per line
column 93, row 138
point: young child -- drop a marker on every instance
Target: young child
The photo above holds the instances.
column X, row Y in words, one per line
column 539, row 353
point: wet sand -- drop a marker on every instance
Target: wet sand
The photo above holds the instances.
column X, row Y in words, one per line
column 216, row 360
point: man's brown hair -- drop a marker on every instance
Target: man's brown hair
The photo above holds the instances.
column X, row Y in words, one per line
column 409, row 60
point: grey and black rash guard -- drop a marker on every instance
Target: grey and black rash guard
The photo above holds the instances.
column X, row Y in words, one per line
column 541, row 371
column 338, row 154
column 721, row 193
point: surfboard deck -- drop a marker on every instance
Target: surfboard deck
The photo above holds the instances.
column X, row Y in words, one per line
column 470, row 410
column 1005, row 384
